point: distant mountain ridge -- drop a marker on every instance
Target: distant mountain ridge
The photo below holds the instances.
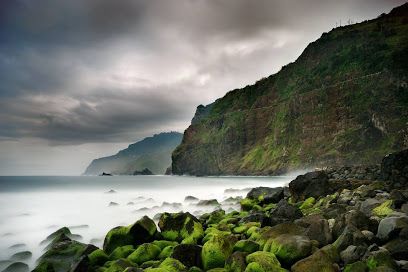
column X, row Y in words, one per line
column 153, row 153
column 343, row 101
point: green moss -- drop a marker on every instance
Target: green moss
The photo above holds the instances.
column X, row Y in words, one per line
column 190, row 232
column 195, row 269
column 166, row 252
column 163, row 243
column 172, row 265
column 117, row 237
column 308, row 203
column 121, row 252
column 240, row 229
column 355, row 267
column 384, row 209
column 150, row 264
column 381, row 259
column 247, row 204
column 269, row 207
column 98, row 257
column 290, row 248
column 246, row 246
column 263, row 257
column 216, row 251
column 218, row 270
column 145, row 252
column 44, row 266
column 263, row 267
column 120, row 265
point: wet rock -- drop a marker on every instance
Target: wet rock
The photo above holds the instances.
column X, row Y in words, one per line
column 352, row 254
column 17, row 267
column 266, row 195
column 284, row 212
column 22, row 256
column 143, row 230
column 290, row 248
column 312, row 184
column 236, row 262
column 181, row 227
column 216, row 251
column 256, row 217
column 390, row 227
column 188, row 255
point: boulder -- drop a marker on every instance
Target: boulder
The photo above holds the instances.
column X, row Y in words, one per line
column 317, row 228
column 209, row 202
column 263, row 257
column 319, row 261
column 21, row 256
column 355, row 218
column 173, row 265
column 355, row 267
column 368, row 205
column 216, row 251
column 265, row 239
column 352, row 254
column 181, row 227
column 17, row 267
column 381, row 258
column 121, row 265
column 290, row 248
column 145, row 252
column 247, row 246
column 266, row 195
column 394, row 169
column 188, row 255
column 121, row 252
column 350, row 236
column 166, row 252
column 312, row 184
column 390, row 227
column 236, row 262
column 256, row 217
column 284, row 212
column 142, row 231
column 99, row 257
column 398, row 248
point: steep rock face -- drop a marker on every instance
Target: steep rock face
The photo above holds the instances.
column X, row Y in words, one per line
column 153, row 153
column 344, row 101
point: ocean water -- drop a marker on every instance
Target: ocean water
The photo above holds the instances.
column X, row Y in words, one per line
column 31, row 208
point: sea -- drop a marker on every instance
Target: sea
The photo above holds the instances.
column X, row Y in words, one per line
column 32, row 207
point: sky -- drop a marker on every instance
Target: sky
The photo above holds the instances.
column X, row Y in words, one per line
column 83, row 79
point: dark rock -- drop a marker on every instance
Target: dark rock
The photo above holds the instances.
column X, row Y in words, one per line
column 312, row 184
column 17, row 267
column 18, row 246
column 404, row 208
column 350, row 236
column 356, row 267
column 266, row 195
column 399, row 197
column 355, row 218
column 210, row 202
column 21, row 256
column 383, row 269
column 352, row 254
column 391, row 226
column 381, row 258
column 256, row 217
column 169, row 171
column 83, row 265
column 319, row 261
column 112, row 204
column 144, row 172
column 317, row 228
column 191, row 198
column 286, row 192
column 105, row 174
column 398, row 248
column 368, row 205
column 394, row 169
column 284, row 212
column 189, row 255
column 299, row 247
column 334, row 211
column 110, row 192
column 236, row 261
column 181, row 227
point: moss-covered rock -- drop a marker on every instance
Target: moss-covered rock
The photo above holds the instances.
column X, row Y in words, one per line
column 290, row 248
column 150, row 264
column 384, row 209
column 355, row 267
column 181, row 227
column 275, row 231
column 218, row 270
column 145, row 252
column 216, row 251
column 120, row 265
column 17, row 267
column 263, row 267
column 163, row 243
column 189, row 255
column 319, row 261
column 247, row 204
column 240, row 229
column 173, row 265
column 263, row 257
column 308, row 203
column 121, row 252
column 236, row 262
column 247, row 246
column 166, row 252
column 381, row 258
column 98, row 257
column 44, row 266
column 195, row 269
column 141, row 231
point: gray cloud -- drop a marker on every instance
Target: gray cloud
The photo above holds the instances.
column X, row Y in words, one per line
column 75, row 72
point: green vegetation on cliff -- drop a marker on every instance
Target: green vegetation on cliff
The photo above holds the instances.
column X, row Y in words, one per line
column 344, row 100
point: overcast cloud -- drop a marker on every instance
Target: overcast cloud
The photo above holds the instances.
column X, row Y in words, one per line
column 81, row 79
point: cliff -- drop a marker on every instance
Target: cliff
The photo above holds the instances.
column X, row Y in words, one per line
column 343, row 101
column 153, row 153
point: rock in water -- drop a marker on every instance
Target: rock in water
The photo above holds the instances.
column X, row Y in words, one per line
column 17, row 267
column 145, row 172
column 181, row 227
column 312, row 184
column 140, row 232
column 266, row 195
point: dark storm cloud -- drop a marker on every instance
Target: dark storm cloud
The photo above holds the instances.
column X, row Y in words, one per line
column 75, row 72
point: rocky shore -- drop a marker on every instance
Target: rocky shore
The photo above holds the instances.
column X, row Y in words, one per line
column 332, row 219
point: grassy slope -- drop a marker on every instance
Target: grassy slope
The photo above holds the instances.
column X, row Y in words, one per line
column 344, row 100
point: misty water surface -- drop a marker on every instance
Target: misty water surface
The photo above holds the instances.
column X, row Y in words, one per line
column 31, row 208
